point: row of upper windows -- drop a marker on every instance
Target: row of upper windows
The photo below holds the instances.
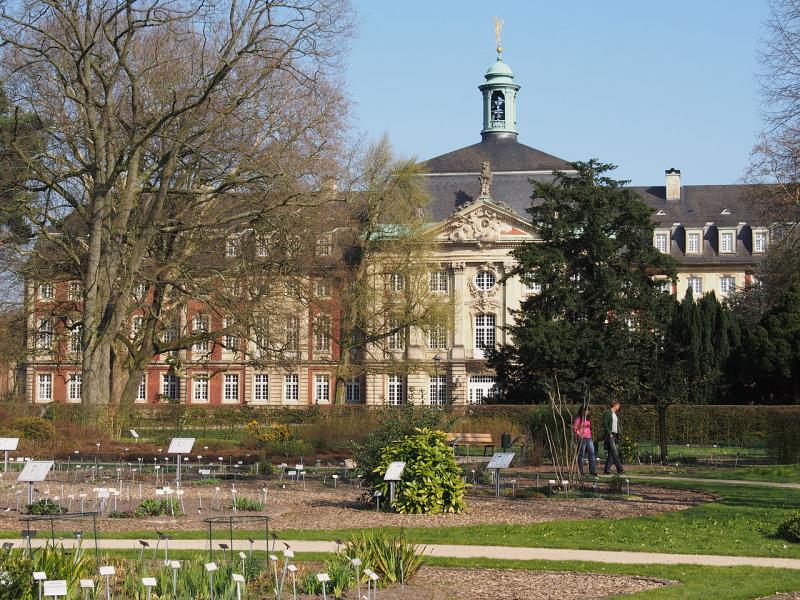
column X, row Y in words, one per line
column 726, row 241
column 264, row 245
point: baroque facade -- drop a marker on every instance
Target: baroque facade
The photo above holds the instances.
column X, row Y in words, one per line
column 479, row 195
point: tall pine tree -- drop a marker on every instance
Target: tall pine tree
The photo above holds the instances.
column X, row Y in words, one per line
column 594, row 322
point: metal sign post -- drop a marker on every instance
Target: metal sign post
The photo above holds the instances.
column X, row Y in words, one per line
column 500, row 460
column 34, row 472
column 394, row 473
column 180, row 446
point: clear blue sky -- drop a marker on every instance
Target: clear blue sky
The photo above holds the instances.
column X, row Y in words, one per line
column 646, row 85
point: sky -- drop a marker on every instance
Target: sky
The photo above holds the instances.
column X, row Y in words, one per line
column 646, row 85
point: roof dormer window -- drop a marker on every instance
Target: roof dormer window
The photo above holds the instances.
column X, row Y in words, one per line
column 726, row 211
column 727, row 241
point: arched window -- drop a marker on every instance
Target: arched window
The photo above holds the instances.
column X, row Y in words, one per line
column 498, row 106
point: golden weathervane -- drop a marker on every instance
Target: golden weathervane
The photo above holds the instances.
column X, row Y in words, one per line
column 498, row 27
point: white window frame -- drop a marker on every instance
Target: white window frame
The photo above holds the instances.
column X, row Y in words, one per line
column 260, row 388
column 439, row 282
column 74, row 387
column 293, row 333
column 437, row 336
column 475, row 386
column 324, row 245
column 200, row 388
column 46, row 291
column 658, row 237
column 44, row 387
column 397, row 282
column 232, row 246
column 231, row 388
column 727, row 284
column 231, row 341
column 201, row 324
column 730, row 235
column 397, row 339
column 485, row 280
column 695, row 292
column 690, row 234
column 322, row 289
column 665, row 285
column 485, row 334
column 75, row 339
column 395, row 388
column 141, row 390
column 322, row 333
column 353, row 391
column 74, row 292
column 263, row 244
column 291, row 388
column 322, row 388
column 44, row 334
column 437, row 390
column 170, row 386
column 763, row 236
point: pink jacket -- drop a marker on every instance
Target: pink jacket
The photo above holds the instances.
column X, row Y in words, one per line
column 582, row 428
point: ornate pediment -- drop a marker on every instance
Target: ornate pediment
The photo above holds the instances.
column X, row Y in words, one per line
column 485, row 221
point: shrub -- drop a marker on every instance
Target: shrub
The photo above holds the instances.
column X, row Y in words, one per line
column 246, row 504
column 389, row 555
column 45, row 507
column 783, row 439
column 35, row 429
column 393, row 425
column 789, row 529
column 431, row 481
column 616, row 485
column 628, row 449
column 340, row 571
column 158, row 508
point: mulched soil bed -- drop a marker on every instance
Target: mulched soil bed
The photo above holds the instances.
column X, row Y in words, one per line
column 322, row 507
column 436, row 583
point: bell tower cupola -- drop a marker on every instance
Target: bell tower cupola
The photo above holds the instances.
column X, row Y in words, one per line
column 499, row 97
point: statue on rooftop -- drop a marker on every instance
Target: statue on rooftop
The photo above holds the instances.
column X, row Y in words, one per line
column 485, row 180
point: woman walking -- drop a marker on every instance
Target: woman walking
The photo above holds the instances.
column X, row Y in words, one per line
column 582, row 426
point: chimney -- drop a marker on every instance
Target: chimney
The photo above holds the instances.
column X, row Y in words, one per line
column 673, row 177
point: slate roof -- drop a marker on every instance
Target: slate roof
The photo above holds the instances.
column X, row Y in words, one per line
column 504, row 153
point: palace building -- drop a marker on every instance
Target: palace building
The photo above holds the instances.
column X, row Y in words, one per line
column 479, row 196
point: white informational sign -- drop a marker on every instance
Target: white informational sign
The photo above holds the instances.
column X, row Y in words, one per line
column 8, row 444
column 107, row 571
column 134, row 434
column 55, row 588
column 238, row 578
column 149, row 582
column 211, row 567
column 35, row 471
column 180, row 446
column 500, row 460
column 394, row 472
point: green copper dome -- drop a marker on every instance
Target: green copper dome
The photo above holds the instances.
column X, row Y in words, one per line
column 499, row 69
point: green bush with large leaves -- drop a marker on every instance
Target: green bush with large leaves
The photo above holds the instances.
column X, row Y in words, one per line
column 431, row 482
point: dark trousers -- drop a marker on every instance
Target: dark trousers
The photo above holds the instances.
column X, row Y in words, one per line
column 611, row 453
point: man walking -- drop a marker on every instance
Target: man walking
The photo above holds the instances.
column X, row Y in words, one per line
column 611, row 437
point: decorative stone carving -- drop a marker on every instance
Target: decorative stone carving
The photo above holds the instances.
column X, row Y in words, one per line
column 485, row 179
column 481, row 225
column 458, row 266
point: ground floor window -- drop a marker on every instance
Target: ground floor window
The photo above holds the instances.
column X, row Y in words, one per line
column 353, row 389
column 481, row 388
column 231, row 391
column 260, row 388
column 322, row 389
column 200, row 388
column 74, row 388
column 169, row 386
column 394, row 396
column 291, row 387
column 141, row 392
column 438, row 389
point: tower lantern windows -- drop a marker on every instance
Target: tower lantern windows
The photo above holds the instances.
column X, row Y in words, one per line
column 498, row 106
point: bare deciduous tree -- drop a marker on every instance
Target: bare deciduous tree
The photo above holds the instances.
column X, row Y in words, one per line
column 169, row 127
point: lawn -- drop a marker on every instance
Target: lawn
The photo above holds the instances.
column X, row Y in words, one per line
column 742, row 523
column 774, row 473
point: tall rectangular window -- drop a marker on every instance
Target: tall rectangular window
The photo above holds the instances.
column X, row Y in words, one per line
column 727, row 284
column 485, row 335
column 231, row 340
column 232, row 246
column 44, row 389
column 139, row 290
column 200, row 388
column 395, row 390
column 136, row 325
column 260, row 388
column 141, row 392
column 696, row 283
column 261, row 337
column 439, row 282
column 693, row 242
column 169, row 386
column 293, row 333
column 324, row 245
column 75, row 339
column 437, row 336
column 201, row 328
column 438, row 390
column 74, row 290
column 322, row 333
column 397, row 282
column 759, row 241
column 322, row 389
column 353, row 391
column 396, row 339
column 291, row 387
column 322, row 289
column 661, row 242
column 44, row 334
column 74, row 388
column 231, row 391
column 46, row 291
column 726, row 241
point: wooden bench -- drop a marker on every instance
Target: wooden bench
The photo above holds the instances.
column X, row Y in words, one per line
column 471, row 439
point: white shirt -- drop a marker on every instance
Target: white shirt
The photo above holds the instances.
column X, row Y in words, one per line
column 614, row 422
